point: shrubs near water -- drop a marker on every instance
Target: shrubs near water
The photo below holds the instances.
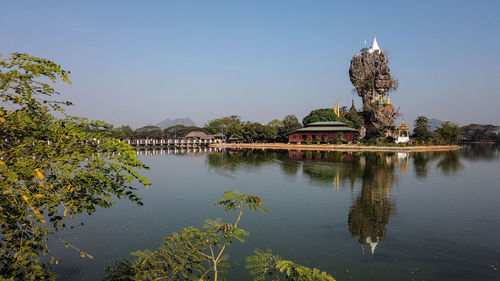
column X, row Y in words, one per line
column 198, row 254
column 50, row 168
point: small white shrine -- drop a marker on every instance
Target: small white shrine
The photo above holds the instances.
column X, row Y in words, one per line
column 403, row 133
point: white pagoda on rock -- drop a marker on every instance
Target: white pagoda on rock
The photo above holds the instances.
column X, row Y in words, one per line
column 374, row 46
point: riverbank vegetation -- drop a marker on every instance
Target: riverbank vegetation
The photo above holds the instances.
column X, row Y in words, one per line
column 49, row 168
column 199, row 254
column 276, row 131
column 246, row 131
column 452, row 133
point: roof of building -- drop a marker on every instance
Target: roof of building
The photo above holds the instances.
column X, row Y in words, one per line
column 219, row 135
column 325, row 129
column 200, row 135
column 403, row 126
column 325, row 126
column 326, row 123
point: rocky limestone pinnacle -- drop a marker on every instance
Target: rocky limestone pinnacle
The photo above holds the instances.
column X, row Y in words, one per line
column 370, row 75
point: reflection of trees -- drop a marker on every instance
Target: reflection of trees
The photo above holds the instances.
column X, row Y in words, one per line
column 375, row 171
column 372, row 208
column 450, row 162
column 327, row 167
column 369, row 215
column 420, row 161
column 233, row 160
column 288, row 166
column 481, row 152
column 447, row 162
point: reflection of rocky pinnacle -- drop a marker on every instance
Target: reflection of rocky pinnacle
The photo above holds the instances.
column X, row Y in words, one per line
column 370, row 212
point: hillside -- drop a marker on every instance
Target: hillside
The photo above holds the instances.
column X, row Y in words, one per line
column 177, row 121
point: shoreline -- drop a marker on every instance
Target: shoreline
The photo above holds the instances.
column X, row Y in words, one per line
column 337, row 147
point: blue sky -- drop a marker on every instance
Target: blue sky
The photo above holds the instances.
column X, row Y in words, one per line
column 139, row 62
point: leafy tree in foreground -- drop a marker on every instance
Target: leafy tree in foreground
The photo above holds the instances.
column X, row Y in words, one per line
column 192, row 253
column 198, row 254
column 49, row 168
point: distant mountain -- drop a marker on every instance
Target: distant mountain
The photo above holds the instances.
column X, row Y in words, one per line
column 434, row 123
column 177, row 121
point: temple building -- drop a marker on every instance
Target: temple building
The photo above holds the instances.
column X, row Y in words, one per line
column 323, row 132
column 403, row 133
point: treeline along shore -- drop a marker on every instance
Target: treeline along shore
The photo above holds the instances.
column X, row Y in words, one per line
column 336, row 147
column 232, row 129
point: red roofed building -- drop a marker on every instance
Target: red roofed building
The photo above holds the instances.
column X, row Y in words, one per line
column 322, row 132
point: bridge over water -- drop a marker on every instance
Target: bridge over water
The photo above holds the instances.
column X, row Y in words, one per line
column 177, row 150
column 180, row 143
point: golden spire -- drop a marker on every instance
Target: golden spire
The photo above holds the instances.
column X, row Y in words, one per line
column 336, row 108
column 336, row 181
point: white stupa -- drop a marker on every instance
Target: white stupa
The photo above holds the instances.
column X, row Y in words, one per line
column 375, row 46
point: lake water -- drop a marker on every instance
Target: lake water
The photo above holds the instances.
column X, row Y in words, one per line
column 358, row 216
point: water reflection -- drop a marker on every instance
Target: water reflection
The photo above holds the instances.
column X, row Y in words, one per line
column 293, row 160
column 374, row 172
column 435, row 212
column 232, row 160
column 369, row 175
column 370, row 212
column 481, row 152
column 448, row 162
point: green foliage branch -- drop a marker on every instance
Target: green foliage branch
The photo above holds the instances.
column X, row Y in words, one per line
column 192, row 253
column 199, row 254
column 264, row 265
column 50, row 168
